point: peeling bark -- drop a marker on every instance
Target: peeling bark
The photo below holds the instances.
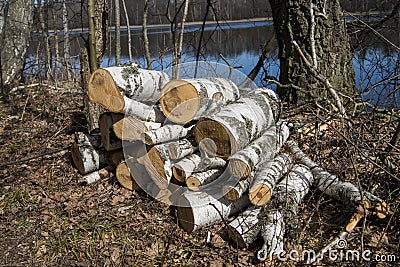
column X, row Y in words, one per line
column 181, row 148
column 95, row 176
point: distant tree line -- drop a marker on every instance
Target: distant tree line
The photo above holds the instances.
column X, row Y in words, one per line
column 160, row 10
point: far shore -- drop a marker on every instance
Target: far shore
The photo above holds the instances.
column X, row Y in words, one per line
column 208, row 23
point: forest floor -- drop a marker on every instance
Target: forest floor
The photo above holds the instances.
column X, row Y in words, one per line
column 48, row 217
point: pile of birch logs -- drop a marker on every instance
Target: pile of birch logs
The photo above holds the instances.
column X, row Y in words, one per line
column 209, row 148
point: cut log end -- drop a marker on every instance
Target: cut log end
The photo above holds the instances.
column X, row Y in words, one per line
column 185, row 216
column 239, row 169
column 147, row 139
column 236, row 237
column 157, row 163
column 230, row 193
column 179, row 173
column 179, row 101
column 129, row 128
column 193, row 183
column 77, row 158
column 214, row 139
column 103, row 90
column 124, row 177
column 260, row 194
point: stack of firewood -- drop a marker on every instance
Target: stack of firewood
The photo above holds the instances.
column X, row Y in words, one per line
column 209, row 148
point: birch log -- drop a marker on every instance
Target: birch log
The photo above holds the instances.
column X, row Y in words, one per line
column 263, row 148
column 281, row 211
column 185, row 167
column 140, row 110
column 198, row 210
column 185, row 100
column 158, row 164
column 107, row 86
column 131, row 129
column 211, row 163
column 181, row 148
column 198, row 179
column 94, row 139
column 333, row 187
column 108, row 137
column 167, row 133
column 235, row 192
column 95, row 176
column 272, row 231
column 106, row 92
column 234, row 126
column 86, row 154
column 265, row 179
column 124, row 176
column 246, row 227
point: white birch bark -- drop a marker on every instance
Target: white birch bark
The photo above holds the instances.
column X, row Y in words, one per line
column 265, row 178
column 281, row 212
column 198, row 179
column 198, row 210
column 185, row 167
column 95, row 176
column 245, row 228
column 139, row 84
column 272, row 232
column 167, row 133
column 333, row 187
column 185, row 100
column 234, row 126
column 211, row 163
column 141, row 111
column 181, row 148
column 237, row 191
column 85, row 156
column 263, row 148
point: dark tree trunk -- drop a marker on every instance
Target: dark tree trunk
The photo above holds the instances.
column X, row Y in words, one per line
column 321, row 27
column 98, row 28
column 15, row 38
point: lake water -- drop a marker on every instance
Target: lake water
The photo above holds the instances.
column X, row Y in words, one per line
column 241, row 44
